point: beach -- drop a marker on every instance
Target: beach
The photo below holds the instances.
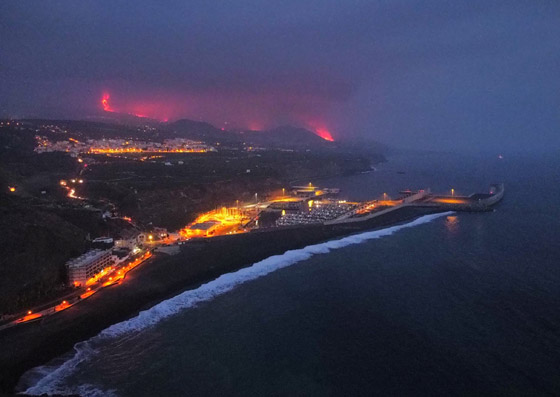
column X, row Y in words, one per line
column 160, row 278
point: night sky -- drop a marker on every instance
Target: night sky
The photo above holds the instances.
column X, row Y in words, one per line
column 452, row 75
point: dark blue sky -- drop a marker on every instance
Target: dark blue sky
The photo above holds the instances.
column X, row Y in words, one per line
column 430, row 74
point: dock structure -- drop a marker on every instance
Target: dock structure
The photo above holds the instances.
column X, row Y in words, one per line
column 333, row 213
column 310, row 191
column 313, row 205
column 476, row 202
column 372, row 209
column 317, row 211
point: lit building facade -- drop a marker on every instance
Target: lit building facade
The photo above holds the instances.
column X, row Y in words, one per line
column 84, row 267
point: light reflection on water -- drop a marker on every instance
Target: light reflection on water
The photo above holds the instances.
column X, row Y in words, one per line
column 452, row 223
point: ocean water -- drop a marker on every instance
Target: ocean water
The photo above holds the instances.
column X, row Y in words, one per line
column 455, row 303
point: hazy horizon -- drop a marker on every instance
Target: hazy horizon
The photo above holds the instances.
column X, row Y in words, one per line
column 466, row 76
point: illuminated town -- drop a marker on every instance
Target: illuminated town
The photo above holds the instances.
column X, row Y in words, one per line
column 117, row 146
column 295, row 207
column 108, row 258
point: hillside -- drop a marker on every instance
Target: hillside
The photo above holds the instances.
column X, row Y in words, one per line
column 287, row 137
column 34, row 245
column 284, row 137
column 135, row 128
column 200, row 131
column 42, row 227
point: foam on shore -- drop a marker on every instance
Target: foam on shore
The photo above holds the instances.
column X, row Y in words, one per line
column 49, row 378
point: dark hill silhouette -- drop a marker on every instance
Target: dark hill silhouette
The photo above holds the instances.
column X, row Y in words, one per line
column 287, row 136
column 200, row 131
column 117, row 125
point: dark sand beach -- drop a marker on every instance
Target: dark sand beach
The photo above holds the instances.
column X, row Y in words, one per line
column 162, row 277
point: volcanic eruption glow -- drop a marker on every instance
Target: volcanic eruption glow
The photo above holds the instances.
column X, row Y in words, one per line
column 105, row 103
column 325, row 134
column 173, row 106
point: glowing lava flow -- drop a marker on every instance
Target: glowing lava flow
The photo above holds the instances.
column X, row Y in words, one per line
column 105, row 103
column 325, row 134
column 107, row 107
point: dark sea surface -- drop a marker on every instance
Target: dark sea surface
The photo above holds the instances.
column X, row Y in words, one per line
column 461, row 304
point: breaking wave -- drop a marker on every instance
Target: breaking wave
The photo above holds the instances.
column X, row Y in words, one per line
column 49, row 379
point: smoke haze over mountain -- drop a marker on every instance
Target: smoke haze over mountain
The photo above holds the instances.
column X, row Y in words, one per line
column 473, row 75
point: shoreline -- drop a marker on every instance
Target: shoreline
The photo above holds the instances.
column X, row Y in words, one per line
column 163, row 277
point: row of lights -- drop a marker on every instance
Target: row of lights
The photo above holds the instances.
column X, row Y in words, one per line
column 63, row 303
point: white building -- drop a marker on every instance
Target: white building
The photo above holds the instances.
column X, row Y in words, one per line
column 84, row 267
column 105, row 240
column 130, row 238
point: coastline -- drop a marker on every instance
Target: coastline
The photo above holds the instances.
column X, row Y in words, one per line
column 163, row 277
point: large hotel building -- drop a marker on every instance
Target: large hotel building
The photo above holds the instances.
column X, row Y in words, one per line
column 84, row 267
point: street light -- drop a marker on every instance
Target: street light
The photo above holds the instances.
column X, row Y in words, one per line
column 452, row 191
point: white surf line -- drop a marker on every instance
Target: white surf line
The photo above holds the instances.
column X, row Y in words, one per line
column 50, row 379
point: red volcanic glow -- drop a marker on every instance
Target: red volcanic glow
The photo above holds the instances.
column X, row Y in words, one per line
column 254, row 112
column 256, row 126
column 105, row 103
column 325, row 134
